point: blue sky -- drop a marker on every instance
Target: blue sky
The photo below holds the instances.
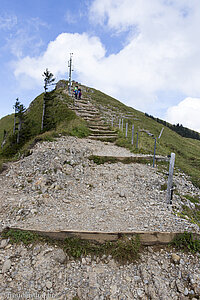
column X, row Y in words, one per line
column 144, row 53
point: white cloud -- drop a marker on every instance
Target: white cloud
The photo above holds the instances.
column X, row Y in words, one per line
column 70, row 18
column 186, row 113
column 7, row 21
column 23, row 36
column 163, row 55
column 88, row 52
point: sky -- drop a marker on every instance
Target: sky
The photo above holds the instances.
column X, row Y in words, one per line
column 145, row 53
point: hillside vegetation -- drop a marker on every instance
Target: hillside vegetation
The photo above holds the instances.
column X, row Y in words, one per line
column 60, row 119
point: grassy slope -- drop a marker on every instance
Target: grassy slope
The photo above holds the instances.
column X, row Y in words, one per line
column 65, row 121
column 6, row 123
column 187, row 150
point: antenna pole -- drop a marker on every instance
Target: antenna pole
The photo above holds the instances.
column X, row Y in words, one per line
column 70, row 72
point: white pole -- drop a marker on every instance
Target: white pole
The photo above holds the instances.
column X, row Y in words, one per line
column 119, row 123
column 170, row 178
column 132, row 134
column 126, row 129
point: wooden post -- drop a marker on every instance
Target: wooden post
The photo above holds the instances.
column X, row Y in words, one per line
column 119, row 123
column 154, row 154
column 122, row 123
column 170, row 179
column 126, row 129
column 161, row 133
column 132, row 134
column 137, row 141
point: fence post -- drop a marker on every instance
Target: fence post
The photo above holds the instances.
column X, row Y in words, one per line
column 126, row 129
column 137, row 141
column 122, row 124
column 132, row 134
column 154, row 154
column 170, row 179
column 119, row 123
column 161, row 133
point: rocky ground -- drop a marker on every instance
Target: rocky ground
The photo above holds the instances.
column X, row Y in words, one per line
column 45, row 272
column 58, row 187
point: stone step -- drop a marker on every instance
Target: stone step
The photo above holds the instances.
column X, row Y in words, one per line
column 88, row 109
column 83, row 104
column 86, row 115
column 103, row 137
column 93, row 120
column 98, row 126
column 97, row 131
column 81, row 101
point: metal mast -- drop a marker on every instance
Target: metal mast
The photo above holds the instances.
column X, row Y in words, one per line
column 70, row 72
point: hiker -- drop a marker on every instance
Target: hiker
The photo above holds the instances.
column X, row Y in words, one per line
column 79, row 93
column 76, row 91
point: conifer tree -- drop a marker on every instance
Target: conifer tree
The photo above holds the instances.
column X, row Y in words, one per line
column 48, row 81
column 16, row 107
column 21, row 117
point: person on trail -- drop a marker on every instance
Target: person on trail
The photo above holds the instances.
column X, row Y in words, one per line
column 79, row 93
column 76, row 91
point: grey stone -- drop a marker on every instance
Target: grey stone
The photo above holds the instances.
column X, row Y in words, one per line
column 6, row 266
column 49, row 284
column 186, row 292
column 3, row 243
column 59, row 256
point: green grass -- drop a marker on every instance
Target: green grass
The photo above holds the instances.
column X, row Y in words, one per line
column 123, row 250
column 192, row 214
column 99, row 160
column 186, row 242
column 18, row 236
column 164, row 187
column 193, row 199
column 6, row 123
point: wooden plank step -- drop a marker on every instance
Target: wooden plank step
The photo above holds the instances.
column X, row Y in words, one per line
column 147, row 238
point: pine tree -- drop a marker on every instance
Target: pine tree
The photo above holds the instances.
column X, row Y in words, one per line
column 16, row 107
column 48, row 81
column 21, row 117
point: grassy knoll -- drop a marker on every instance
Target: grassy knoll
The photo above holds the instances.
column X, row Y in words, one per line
column 60, row 120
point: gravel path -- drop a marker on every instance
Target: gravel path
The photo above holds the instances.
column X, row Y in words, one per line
column 57, row 187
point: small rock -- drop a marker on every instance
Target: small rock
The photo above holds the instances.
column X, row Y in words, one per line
column 137, row 278
column 186, row 292
column 3, row 243
column 49, row 284
column 59, row 256
column 140, row 293
column 6, row 266
column 84, row 261
column 175, row 258
column 150, row 249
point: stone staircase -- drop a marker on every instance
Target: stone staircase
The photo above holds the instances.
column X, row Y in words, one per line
column 98, row 129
